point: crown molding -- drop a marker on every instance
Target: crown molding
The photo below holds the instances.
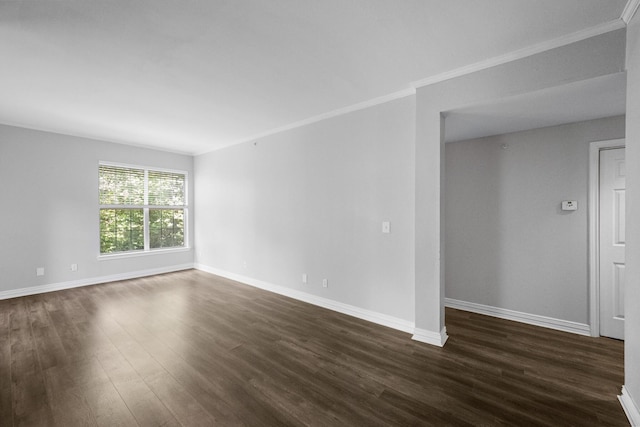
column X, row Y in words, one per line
column 525, row 52
column 334, row 113
column 630, row 10
column 93, row 138
column 567, row 39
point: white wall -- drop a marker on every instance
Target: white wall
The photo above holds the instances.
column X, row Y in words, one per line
column 508, row 243
column 312, row 200
column 49, row 214
column 632, row 292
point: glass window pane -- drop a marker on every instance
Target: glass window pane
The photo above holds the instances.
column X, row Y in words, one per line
column 133, row 192
column 121, row 230
column 166, row 189
column 166, row 228
column 121, row 186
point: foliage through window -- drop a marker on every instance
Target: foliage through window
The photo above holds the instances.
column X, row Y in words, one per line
column 141, row 209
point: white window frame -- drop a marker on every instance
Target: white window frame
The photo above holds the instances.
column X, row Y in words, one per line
column 145, row 209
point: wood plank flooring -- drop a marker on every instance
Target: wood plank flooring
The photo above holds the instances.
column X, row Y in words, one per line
column 193, row 349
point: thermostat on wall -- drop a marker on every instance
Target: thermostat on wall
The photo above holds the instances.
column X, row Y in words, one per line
column 570, row 205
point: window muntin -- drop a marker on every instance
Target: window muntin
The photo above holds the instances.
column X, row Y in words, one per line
column 141, row 209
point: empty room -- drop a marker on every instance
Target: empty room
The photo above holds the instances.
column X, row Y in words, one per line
column 321, row 213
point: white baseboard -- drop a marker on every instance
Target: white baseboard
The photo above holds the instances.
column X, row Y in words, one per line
column 518, row 316
column 429, row 337
column 630, row 408
column 360, row 313
column 32, row 290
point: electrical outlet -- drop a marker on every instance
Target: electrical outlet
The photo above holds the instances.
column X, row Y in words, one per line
column 74, row 267
column 325, row 283
column 40, row 271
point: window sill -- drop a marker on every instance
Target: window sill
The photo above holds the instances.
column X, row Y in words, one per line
column 121, row 255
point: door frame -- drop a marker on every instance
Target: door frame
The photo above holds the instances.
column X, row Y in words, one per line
column 594, row 229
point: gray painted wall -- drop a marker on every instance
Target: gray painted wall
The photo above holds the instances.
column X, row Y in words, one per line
column 632, row 295
column 49, row 212
column 590, row 58
column 312, row 200
column 508, row 243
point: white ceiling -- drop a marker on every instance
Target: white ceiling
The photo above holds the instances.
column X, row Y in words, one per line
column 193, row 76
column 585, row 100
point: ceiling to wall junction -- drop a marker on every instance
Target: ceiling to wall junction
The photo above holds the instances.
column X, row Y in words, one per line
column 584, row 100
column 194, row 76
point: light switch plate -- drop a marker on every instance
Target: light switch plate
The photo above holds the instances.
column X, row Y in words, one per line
column 386, row 227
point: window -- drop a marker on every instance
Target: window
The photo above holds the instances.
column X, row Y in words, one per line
column 141, row 209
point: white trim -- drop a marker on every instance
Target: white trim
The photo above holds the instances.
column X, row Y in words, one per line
column 594, row 229
column 564, row 40
column 430, row 337
column 96, row 138
column 518, row 316
column 33, row 290
column 630, row 408
column 360, row 313
column 144, row 168
column 627, row 14
column 630, row 10
column 523, row 53
column 334, row 113
column 146, row 224
column 145, row 209
column 135, row 254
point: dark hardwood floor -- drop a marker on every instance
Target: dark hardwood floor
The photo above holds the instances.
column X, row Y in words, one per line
column 190, row 348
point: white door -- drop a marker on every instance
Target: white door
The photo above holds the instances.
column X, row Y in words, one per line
column 612, row 242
